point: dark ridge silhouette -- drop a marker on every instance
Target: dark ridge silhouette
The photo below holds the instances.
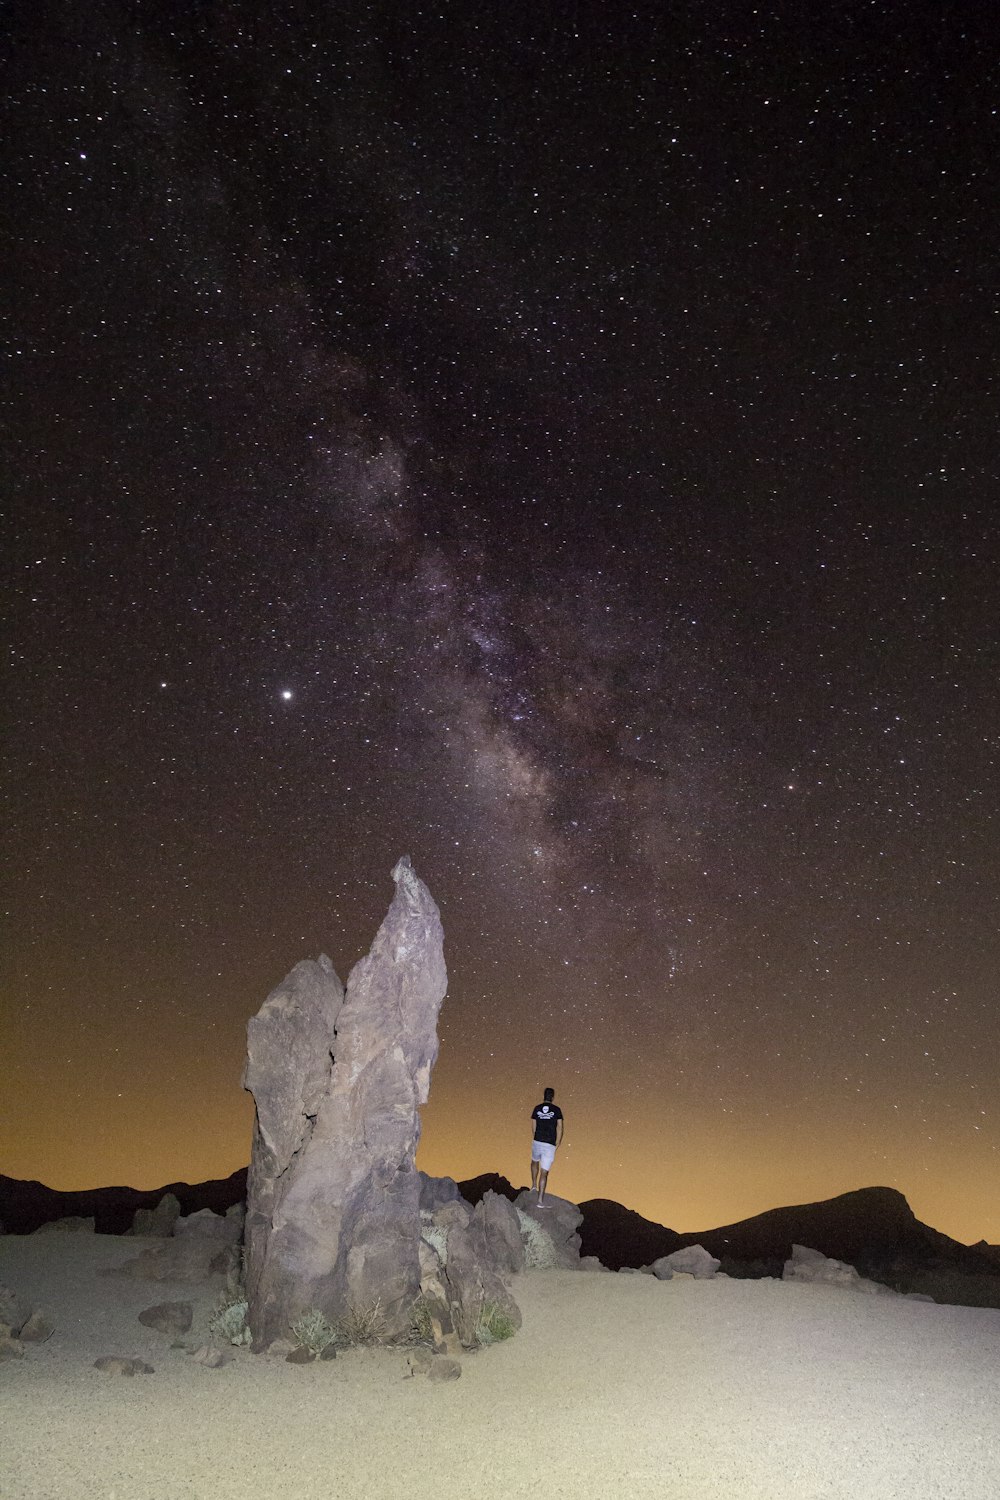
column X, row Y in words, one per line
column 873, row 1229
column 620, row 1237
column 24, row 1206
column 474, row 1188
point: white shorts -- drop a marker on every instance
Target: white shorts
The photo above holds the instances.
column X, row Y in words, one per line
column 544, row 1154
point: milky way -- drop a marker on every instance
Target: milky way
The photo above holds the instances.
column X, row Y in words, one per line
column 560, row 447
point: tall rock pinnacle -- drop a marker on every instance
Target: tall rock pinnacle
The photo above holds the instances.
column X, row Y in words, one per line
column 333, row 1219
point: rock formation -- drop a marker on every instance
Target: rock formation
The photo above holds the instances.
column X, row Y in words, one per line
column 333, row 1197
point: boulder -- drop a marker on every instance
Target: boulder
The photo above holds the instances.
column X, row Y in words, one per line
column 501, row 1232
column 210, row 1357
column 168, row 1317
column 559, row 1220
column 474, row 1289
column 204, row 1245
column 661, row 1269
column 11, row 1348
column 71, row 1224
column 435, row 1192
column 812, row 1265
column 693, row 1260
column 120, row 1364
column 159, row 1221
column 37, row 1329
column 333, row 1196
column 443, row 1368
column 13, row 1311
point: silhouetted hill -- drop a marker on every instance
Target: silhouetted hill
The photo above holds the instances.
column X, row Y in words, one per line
column 26, row 1205
column 474, row 1188
column 620, row 1237
column 872, row 1228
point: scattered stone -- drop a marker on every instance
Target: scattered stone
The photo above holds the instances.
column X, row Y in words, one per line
column 419, row 1361
column 158, row 1221
column 630, row 1271
column 203, row 1245
column 661, row 1269
column 591, row 1263
column 11, row 1349
column 71, row 1224
column 560, row 1220
column 456, row 1212
column 300, row 1356
column 501, row 1231
column 209, row 1356
column 333, row 1196
column 435, row 1192
column 37, row 1329
column 918, row 1297
column 281, row 1348
column 443, row 1368
column 118, row 1364
column 12, row 1310
column 168, row 1317
column 813, row 1266
column 692, row 1260
column 329, row 1351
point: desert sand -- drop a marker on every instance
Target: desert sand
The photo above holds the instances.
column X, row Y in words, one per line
column 617, row 1385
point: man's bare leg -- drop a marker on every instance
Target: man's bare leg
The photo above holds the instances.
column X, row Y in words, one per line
column 534, row 1177
column 543, row 1178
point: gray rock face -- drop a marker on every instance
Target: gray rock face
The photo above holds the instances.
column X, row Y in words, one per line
column 812, row 1265
column 333, row 1196
column 560, row 1220
column 203, row 1246
column 168, row 1317
column 692, row 1260
column 158, row 1221
column 501, row 1233
column 435, row 1192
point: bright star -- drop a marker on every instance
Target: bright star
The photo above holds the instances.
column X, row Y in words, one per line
column 286, row 694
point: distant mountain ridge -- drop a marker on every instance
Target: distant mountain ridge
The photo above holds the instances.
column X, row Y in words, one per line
column 873, row 1229
column 25, row 1206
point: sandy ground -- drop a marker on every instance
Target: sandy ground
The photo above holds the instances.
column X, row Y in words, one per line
column 615, row 1386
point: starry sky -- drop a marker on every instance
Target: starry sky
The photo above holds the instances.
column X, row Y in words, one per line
column 557, row 442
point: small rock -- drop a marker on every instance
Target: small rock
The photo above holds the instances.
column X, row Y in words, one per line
column 281, row 1348
column 443, row 1368
column 37, row 1329
column 300, row 1356
column 330, row 1352
column 693, row 1260
column 71, row 1224
column 12, row 1310
column 11, row 1349
column 119, row 1364
column 419, row 1361
column 210, row 1357
column 168, row 1317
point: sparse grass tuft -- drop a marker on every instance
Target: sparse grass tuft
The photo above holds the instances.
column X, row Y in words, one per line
column 362, row 1325
column 421, row 1331
column 495, row 1324
column 230, row 1322
column 312, row 1331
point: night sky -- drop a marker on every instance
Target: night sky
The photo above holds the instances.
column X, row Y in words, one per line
column 558, row 442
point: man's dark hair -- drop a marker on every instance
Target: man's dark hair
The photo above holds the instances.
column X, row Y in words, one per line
column 549, row 1094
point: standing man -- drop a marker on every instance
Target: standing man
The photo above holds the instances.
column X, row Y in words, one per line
column 548, row 1118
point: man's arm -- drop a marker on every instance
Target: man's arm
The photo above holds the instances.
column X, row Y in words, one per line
column 559, row 1131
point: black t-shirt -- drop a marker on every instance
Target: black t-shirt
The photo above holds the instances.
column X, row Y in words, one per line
column 545, row 1117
